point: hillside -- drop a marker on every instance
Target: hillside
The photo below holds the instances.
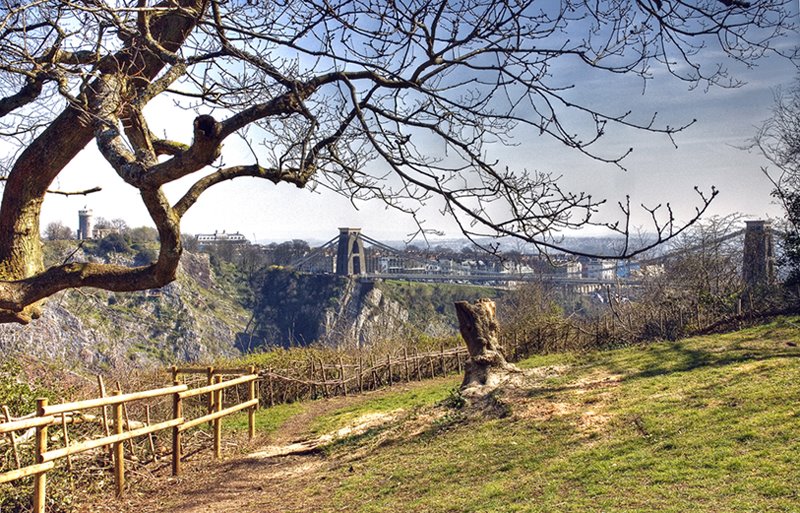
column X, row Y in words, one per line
column 215, row 310
column 292, row 308
column 195, row 318
column 708, row 424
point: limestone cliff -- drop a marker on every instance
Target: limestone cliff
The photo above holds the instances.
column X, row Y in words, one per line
column 365, row 316
column 298, row 309
column 195, row 318
column 212, row 311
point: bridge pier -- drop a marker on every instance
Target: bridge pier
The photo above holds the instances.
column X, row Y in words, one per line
column 758, row 265
column 350, row 253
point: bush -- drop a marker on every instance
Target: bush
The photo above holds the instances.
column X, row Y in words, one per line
column 113, row 243
column 145, row 256
column 15, row 393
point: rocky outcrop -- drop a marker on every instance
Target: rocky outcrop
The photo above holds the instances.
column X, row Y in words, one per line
column 190, row 320
column 365, row 315
column 299, row 309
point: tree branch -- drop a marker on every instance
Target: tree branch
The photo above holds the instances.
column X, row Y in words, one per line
column 29, row 92
column 296, row 176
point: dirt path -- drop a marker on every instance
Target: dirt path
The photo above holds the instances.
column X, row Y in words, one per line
column 270, row 478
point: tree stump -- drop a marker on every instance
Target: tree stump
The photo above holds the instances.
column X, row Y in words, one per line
column 487, row 365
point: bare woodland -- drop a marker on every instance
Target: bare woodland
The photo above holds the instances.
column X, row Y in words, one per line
column 345, row 95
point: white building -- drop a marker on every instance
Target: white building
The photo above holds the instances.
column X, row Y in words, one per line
column 597, row 269
column 205, row 239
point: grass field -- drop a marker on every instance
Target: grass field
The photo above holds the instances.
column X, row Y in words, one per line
column 706, row 424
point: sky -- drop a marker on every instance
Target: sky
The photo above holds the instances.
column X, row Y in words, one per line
column 708, row 154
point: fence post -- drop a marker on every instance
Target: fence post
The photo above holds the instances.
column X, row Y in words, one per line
column 416, row 364
column 177, row 412
column 40, row 479
column 12, row 438
column 361, row 373
column 389, row 364
column 458, row 359
column 251, row 414
column 174, row 371
column 341, row 373
column 209, row 381
column 325, row 388
column 374, row 372
column 433, row 369
column 271, row 387
column 65, row 431
column 444, row 361
column 104, row 409
column 150, row 437
column 127, row 421
column 312, row 378
column 218, row 422
column 119, row 452
column 405, row 362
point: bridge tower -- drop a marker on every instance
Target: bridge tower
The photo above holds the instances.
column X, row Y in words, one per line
column 758, row 266
column 350, row 252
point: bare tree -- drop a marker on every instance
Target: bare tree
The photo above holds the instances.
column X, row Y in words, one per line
column 706, row 261
column 700, row 274
column 57, row 231
column 779, row 140
column 346, row 95
column 120, row 225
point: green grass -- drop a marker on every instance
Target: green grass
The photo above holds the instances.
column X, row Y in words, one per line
column 268, row 420
column 387, row 402
column 709, row 424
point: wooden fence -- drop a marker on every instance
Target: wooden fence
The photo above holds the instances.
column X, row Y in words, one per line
column 312, row 378
column 48, row 415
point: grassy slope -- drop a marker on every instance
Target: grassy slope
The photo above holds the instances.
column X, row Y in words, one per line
column 706, row 424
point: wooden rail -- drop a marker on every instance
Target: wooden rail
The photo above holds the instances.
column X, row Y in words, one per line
column 51, row 415
column 312, row 377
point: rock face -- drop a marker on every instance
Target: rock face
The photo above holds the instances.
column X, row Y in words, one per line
column 190, row 320
column 201, row 316
column 365, row 315
column 298, row 309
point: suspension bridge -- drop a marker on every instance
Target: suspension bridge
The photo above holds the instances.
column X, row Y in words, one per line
column 353, row 253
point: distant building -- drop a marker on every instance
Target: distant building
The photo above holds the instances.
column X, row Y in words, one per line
column 567, row 268
column 628, row 268
column 598, row 269
column 213, row 239
column 573, row 269
column 88, row 231
column 102, row 233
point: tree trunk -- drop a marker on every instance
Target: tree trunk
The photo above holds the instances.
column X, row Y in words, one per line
column 49, row 153
column 486, row 366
